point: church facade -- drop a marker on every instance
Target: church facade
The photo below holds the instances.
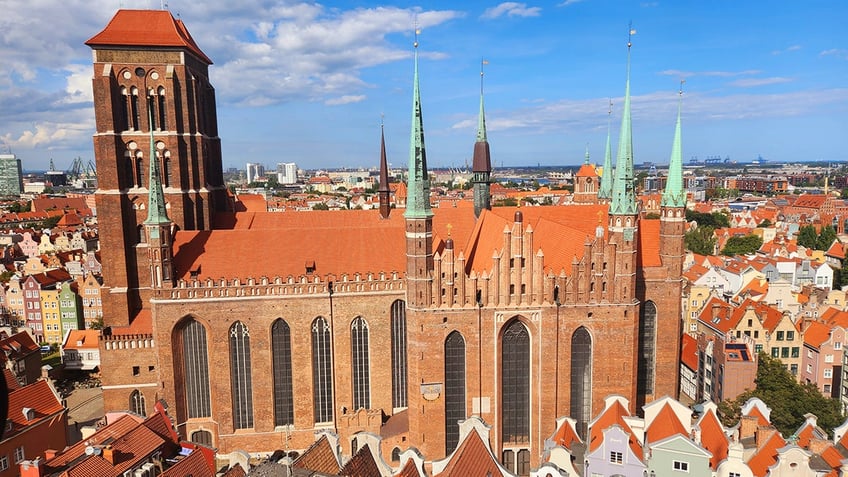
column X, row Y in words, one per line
column 258, row 329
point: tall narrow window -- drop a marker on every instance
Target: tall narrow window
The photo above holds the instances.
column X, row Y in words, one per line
column 361, row 364
column 123, row 111
column 398, row 354
column 134, row 113
column 515, row 382
column 454, row 388
column 161, row 109
column 166, row 169
column 281, row 355
column 151, row 111
column 196, row 369
column 137, row 403
column 647, row 339
column 322, row 369
column 241, row 383
column 581, row 379
column 139, row 169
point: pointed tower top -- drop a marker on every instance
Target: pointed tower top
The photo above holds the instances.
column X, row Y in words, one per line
column 623, row 192
column 605, row 190
column 157, row 214
column 674, row 195
column 586, row 161
column 481, row 121
column 384, row 165
column 418, row 194
column 481, row 162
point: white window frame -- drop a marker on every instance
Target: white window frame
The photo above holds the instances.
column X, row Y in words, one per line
column 680, row 466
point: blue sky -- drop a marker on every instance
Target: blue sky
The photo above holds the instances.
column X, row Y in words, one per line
column 308, row 82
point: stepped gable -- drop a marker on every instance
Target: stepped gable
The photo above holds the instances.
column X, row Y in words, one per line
column 766, row 456
column 361, row 464
column 146, row 28
column 319, row 457
column 614, row 414
column 713, row 438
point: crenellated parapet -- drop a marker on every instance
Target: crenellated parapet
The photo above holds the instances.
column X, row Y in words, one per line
column 302, row 285
column 120, row 342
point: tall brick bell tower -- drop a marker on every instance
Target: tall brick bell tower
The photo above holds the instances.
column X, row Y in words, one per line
column 150, row 80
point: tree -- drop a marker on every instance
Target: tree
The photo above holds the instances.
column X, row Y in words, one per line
column 745, row 245
column 652, row 215
column 764, row 224
column 701, row 240
column 788, row 399
column 320, row 206
column 714, row 220
column 826, row 238
column 843, row 273
column 807, row 237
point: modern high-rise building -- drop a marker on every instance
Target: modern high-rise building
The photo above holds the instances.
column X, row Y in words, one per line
column 11, row 177
column 287, row 173
column 255, row 172
column 259, row 328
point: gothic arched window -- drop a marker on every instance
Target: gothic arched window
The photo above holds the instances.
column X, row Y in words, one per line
column 195, row 369
column 515, row 383
column 454, row 388
column 242, row 384
column 161, row 110
column 202, row 437
column 137, row 403
column 322, row 371
column 581, row 379
column 647, row 341
column 399, row 354
column 360, row 363
column 282, row 356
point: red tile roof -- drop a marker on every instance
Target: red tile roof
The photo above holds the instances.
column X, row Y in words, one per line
column 586, row 170
column 472, row 457
column 146, row 28
column 689, row 352
column 235, row 471
column 39, row 398
column 816, row 333
column 409, row 470
column 112, row 431
column 665, row 424
column 361, row 464
column 18, row 345
column 713, row 437
column 761, row 419
column 613, row 415
column 11, row 380
column 319, row 457
column 193, row 464
column 649, row 242
column 566, row 435
column 82, row 339
column 766, row 456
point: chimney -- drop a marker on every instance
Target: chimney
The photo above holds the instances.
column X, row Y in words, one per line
column 109, row 454
column 31, row 468
column 747, row 427
column 50, row 453
column 715, row 310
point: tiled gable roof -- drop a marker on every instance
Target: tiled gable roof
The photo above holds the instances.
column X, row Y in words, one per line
column 87, row 339
column 713, row 438
column 235, row 471
column 649, row 243
column 146, row 28
column 18, row 345
column 319, row 457
column 566, row 436
column 665, row 424
column 717, row 314
column 37, row 397
column 92, row 466
column 193, row 464
column 816, row 333
column 472, row 457
column 612, row 415
column 409, row 470
column 361, row 464
column 116, row 429
column 766, row 456
column 808, row 431
column 689, row 352
column 761, row 419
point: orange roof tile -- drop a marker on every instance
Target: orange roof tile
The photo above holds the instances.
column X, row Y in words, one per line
column 193, row 464
column 11, row 381
column 409, row 470
column 689, row 352
column 82, row 339
column 713, row 437
column 665, row 424
column 92, row 466
column 649, row 243
column 235, row 471
column 816, row 333
column 472, row 457
column 361, row 464
column 114, row 430
column 613, row 415
column 319, row 457
column 146, row 28
column 761, row 419
column 566, row 435
column 252, row 203
column 39, row 398
column 766, row 456
column 718, row 314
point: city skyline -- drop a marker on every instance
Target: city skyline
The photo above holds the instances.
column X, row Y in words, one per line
column 308, row 83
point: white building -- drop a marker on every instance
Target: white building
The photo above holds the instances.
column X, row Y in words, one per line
column 287, row 173
column 80, row 350
column 255, row 172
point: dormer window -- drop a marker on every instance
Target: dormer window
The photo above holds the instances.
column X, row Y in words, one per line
column 310, row 267
column 29, row 413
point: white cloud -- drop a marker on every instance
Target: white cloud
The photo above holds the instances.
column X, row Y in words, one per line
column 649, row 4
column 347, row 99
column 569, row 2
column 788, row 49
column 754, row 82
column 78, row 86
column 511, row 9
column 837, row 52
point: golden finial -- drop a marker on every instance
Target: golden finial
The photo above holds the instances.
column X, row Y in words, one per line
column 600, row 217
column 449, row 227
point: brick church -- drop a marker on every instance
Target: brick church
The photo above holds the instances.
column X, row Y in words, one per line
column 259, row 328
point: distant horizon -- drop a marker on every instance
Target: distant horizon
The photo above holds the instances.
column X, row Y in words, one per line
column 311, row 83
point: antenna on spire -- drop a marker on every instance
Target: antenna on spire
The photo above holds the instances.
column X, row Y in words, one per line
column 630, row 33
column 682, row 82
column 417, row 31
column 483, row 62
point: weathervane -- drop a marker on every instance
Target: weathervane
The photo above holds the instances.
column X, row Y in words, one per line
column 630, row 33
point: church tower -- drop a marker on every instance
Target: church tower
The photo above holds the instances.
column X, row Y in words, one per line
column 418, row 215
column 586, row 182
column 482, row 163
column 623, row 211
column 384, row 191
column 150, row 78
column 605, row 189
column 673, row 204
column 157, row 228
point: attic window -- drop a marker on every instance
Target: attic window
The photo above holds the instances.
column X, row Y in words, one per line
column 310, row 267
column 29, row 413
column 194, row 273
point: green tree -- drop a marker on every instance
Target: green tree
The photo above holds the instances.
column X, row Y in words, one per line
column 714, row 220
column 764, row 224
column 826, row 238
column 701, row 240
column 745, row 245
column 807, row 236
column 843, row 273
column 320, row 206
column 788, row 399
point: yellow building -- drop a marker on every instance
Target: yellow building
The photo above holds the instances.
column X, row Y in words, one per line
column 50, row 316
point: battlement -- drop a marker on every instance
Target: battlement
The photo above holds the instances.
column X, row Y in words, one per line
column 137, row 341
column 289, row 286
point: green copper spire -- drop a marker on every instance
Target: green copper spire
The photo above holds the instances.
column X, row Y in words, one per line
column 156, row 212
column 418, row 190
column 605, row 190
column 481, row 121
column 623, row 193
column 481, row 164
column 674, row 195
column 586, row 161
